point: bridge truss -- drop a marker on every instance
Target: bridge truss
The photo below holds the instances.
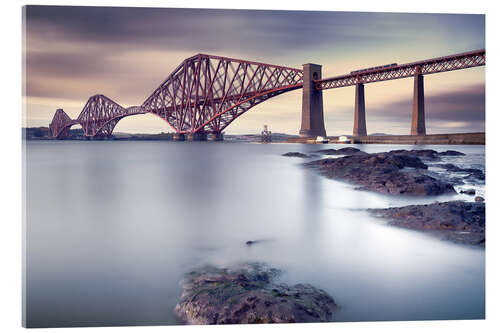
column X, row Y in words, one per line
column 205, row 93
column 436, row 65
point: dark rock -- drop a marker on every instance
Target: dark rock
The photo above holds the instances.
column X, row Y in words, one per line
column 451, row 153
column 475, row 173
column 458, row 221
column 426, row 154
column 258, row 241
column 472, row 173
column 341, row 151
column 396, row 172
column 479, row 199
column 469, row 191
column 248, row 294
column 449, row 167
column 295, row 154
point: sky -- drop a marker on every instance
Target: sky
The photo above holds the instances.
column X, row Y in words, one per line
column 124, row 53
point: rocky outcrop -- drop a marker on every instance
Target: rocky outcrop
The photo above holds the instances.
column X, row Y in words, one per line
column 470, row 191
column 425, row 154
column 458, row 221
column 248, row 294
column 428, row 154
column 341, row 151
column 472, row 173
column 395, row 172
column 295, row 154
column 451, row 153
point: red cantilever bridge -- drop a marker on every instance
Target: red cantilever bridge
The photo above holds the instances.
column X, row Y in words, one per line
column 205, row 93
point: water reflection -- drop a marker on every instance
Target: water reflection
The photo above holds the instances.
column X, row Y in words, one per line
column 113, row 226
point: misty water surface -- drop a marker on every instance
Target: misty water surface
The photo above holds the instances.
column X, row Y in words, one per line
column 112, row 227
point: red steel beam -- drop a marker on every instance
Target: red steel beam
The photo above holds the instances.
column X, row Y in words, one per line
column 430, row 66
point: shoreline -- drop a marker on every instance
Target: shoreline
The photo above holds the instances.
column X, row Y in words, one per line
column 476, row 138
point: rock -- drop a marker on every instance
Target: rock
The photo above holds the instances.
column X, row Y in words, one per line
column 396, row 172
column 472, row 173
column 427, row 154
column 451, row 153
column 458, row 221
column 341, row 151
column 449, row 167
column 479, row 199
column 469, row 191
column 295, row 154
column 248, row 294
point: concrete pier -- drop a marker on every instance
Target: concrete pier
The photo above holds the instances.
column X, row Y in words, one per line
column 218, row 136
column 199, row 136
column 179, row 137
column 359, row 112
column 312, row 103
column 418, row 115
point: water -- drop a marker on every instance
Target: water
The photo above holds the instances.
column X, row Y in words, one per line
column 113, row 226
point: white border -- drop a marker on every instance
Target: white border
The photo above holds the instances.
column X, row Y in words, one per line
column 10, row 241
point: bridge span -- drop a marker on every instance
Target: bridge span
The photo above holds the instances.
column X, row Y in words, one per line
column 206, row 93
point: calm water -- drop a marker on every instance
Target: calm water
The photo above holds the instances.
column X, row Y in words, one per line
column 113, row 226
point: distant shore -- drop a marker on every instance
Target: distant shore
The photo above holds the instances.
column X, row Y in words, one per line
column 478, row 138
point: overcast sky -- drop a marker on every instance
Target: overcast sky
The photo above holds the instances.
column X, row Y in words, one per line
column 73, row 53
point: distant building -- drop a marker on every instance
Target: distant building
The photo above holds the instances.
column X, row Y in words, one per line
column 266, row 135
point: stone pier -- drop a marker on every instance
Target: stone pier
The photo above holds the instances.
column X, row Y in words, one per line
column 418, row 115
column 218, row 136
column 359, row 112
column 179, row 137
column 313, row 124
column 198, row 136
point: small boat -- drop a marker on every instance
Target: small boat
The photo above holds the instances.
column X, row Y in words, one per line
column 320, row 139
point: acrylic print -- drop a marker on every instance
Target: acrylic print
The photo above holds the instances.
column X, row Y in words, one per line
column 198, row 166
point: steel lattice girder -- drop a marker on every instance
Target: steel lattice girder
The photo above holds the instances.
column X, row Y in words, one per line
column 101, row 114
column 436, row 65
column 206, row 93
column 60, row 125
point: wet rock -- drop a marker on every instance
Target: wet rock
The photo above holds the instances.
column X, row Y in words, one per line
column 395, row 172
column 469, row 191
column 475, row 174
column 341, row 151
column 249, row 294
column 451, row 153
column 479, row 199
column 472, row 173
column 295, row 154
column 458, row 221
column 449, row 167
column 426, row 154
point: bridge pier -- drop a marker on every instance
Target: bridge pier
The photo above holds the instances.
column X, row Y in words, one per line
column 198, row 136
column 179, row 137
column 359, row 111
column 418, row 115
column 217, row 136
column 313, row 124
